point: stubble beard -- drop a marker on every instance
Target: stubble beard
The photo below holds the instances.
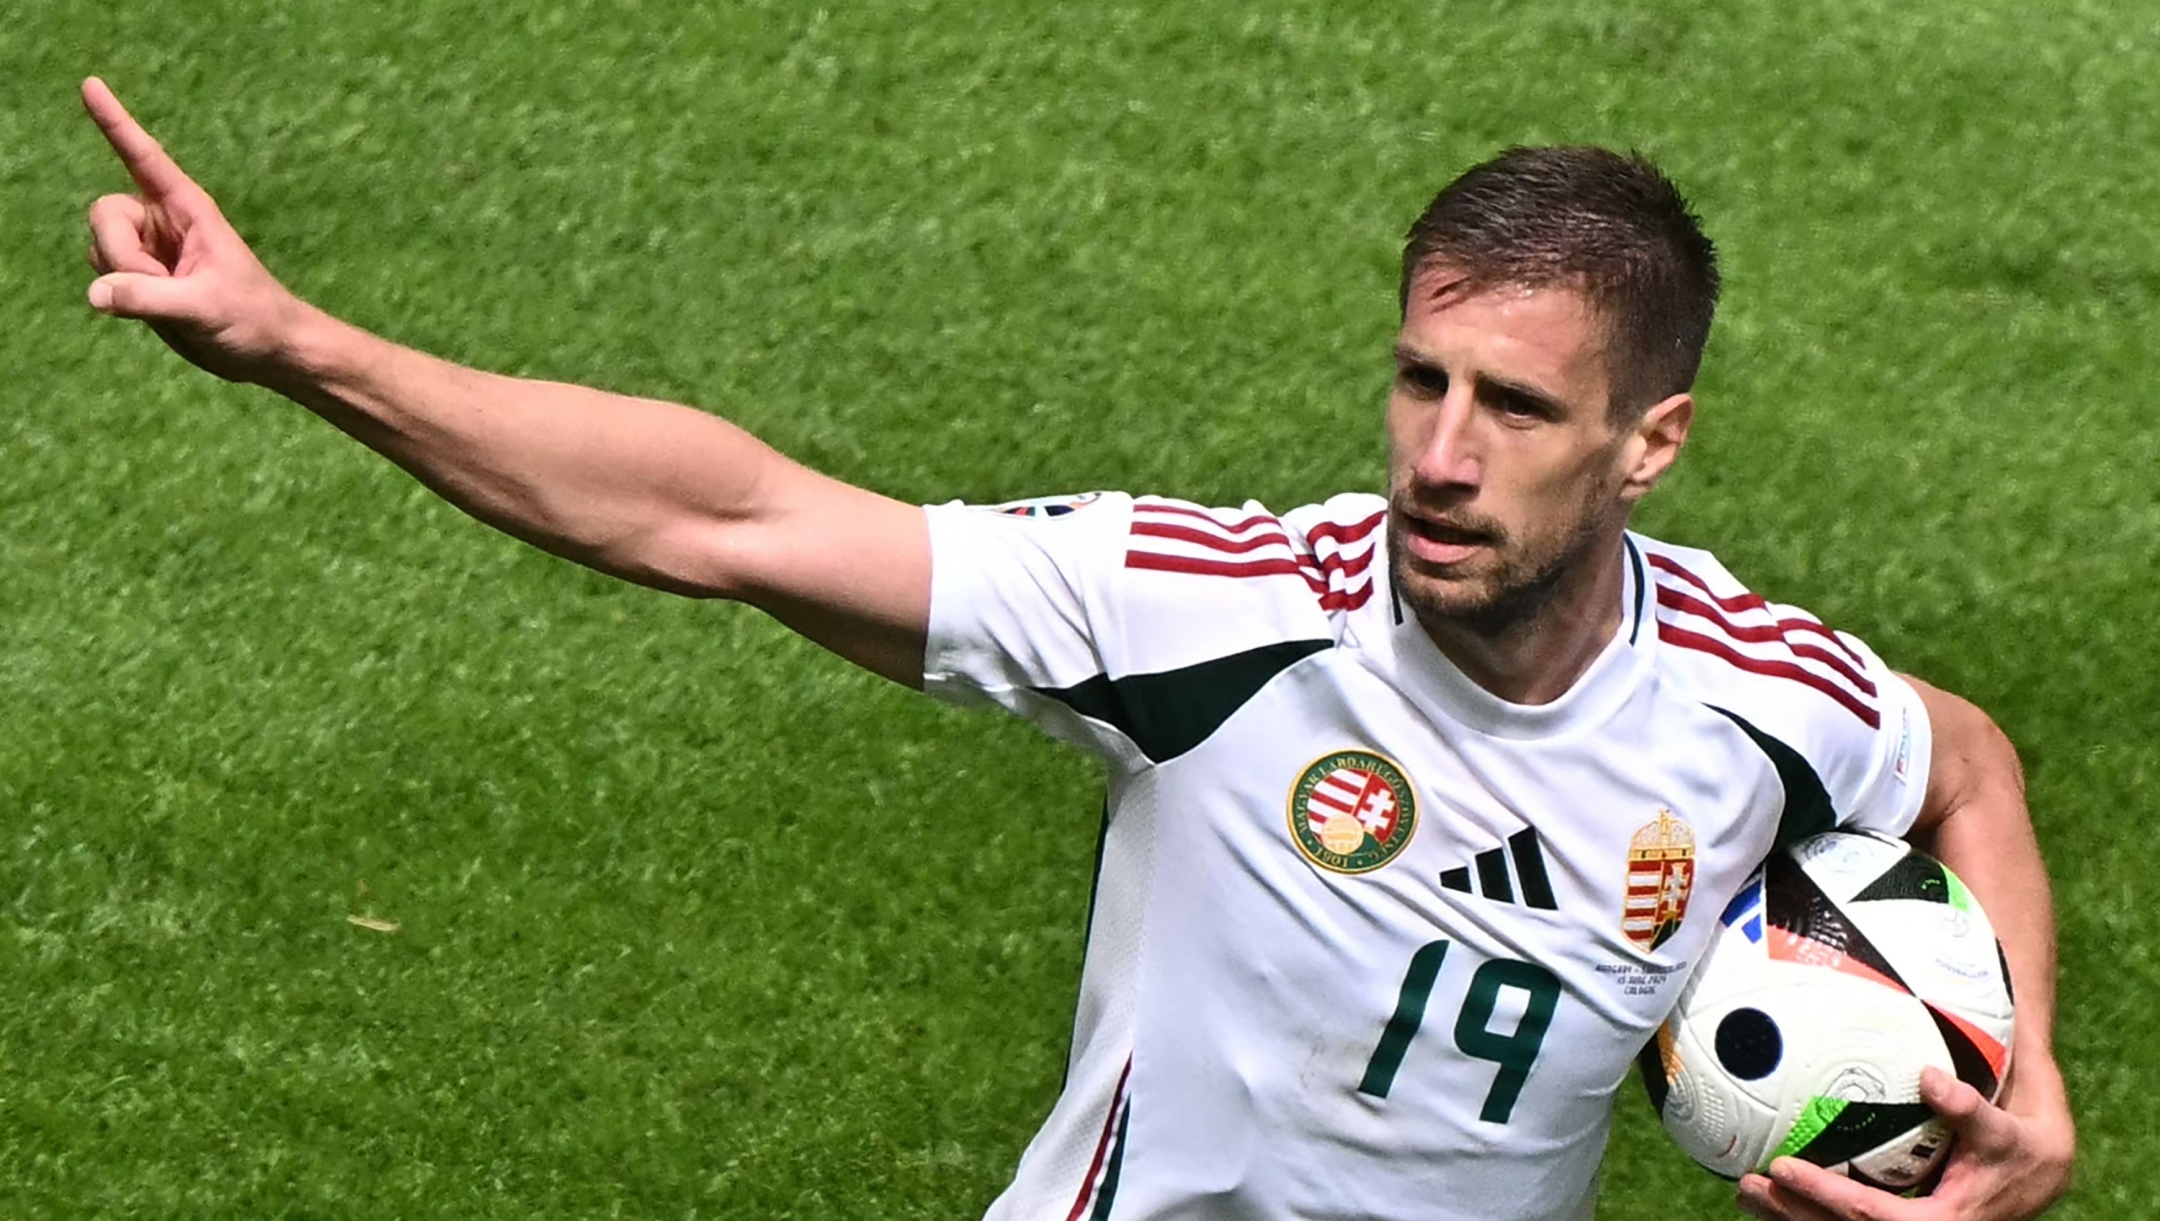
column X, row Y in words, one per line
column 1509, row 599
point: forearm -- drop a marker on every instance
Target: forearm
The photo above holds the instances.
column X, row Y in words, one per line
column 611, row 481
column 1985, row 835
column 648, row 491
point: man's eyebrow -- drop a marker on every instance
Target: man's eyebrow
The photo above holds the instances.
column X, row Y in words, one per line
column 1520, row 394
column 1493, row 389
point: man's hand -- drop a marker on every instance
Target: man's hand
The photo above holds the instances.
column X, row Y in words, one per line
column 167, row 256
column 647, row 491
column 2004, row 1167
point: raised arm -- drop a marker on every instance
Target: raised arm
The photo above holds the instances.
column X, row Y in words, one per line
column 652, row 492
column 2013, row 1157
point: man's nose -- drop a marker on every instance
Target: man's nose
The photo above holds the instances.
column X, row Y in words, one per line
column 1452, row 456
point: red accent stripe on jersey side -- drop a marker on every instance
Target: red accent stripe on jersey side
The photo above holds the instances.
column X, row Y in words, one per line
column 1343, row 535
column 1102, row 1145
column 1202, row 514
column 1748, row 602
column 1762, row 633
column 1686, row 639
column 1214, row 542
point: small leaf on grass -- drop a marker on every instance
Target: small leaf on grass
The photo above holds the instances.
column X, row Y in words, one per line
column 370, row 922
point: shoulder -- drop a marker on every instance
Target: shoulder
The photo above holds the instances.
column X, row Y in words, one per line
column 1835, row 721
column 1738, row 648
column 1154, row 583
column 1318, row 557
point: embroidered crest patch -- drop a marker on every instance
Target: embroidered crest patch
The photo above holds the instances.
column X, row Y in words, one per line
column 1660, row 877
column 1352, row 811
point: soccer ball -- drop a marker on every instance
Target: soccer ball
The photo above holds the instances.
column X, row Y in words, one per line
column 1847, row 964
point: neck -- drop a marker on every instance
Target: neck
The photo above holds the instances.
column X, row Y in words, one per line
column 1535, row 658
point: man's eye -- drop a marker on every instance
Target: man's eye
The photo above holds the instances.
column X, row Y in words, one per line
column 1423, row 380
column 1522, row 409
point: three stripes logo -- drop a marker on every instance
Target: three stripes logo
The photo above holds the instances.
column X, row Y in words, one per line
column 1494, row 881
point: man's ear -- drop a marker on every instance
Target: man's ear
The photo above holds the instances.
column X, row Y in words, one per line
column 1654, row 443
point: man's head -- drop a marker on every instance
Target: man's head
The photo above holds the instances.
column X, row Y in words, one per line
column 1555, row 306
column 1611, row 228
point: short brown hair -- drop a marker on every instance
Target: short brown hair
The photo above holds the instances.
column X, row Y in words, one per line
column 1610, row 226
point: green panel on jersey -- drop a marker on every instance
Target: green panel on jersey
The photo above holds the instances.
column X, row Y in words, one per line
column 1169, row 713
column 1807, row 803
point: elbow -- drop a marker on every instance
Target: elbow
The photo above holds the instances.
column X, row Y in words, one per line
column 1974, row 763
column 690, row 557
column 1963, row 730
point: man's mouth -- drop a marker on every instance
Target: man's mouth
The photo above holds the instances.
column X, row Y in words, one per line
column 1438, row 541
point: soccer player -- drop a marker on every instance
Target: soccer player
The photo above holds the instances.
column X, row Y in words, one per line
column 1421, row 807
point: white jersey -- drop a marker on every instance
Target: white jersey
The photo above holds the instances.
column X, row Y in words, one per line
column 1368, row 942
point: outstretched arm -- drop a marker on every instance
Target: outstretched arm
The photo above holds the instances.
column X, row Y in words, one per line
column 2013, row 1157
column 648, row 491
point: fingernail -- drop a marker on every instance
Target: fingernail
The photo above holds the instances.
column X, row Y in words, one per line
column 100, row 295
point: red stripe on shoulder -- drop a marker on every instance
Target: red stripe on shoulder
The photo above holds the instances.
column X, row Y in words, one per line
column 1344, row 535
column 1764, row 633
column 1213, row 542
column 1354, row 566
column 1748, row 602
column 1680, row 637
column 1346, row 599
column 1331, row 599
column 1178, row 510
column 1198, row 566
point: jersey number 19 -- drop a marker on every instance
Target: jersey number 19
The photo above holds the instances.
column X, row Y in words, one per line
column 1514, row 1052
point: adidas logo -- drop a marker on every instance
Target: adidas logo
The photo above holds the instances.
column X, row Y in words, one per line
column 1493, row 881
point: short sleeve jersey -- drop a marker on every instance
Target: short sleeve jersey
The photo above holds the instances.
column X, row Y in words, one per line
column 1369, row 942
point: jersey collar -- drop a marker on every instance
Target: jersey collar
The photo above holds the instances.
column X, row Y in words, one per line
column 1429, row 677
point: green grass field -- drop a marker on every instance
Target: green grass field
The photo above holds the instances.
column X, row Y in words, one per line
column 692, row 920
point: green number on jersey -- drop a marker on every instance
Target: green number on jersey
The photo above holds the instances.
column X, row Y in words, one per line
column 1409, row 1015
column 1514, row 1052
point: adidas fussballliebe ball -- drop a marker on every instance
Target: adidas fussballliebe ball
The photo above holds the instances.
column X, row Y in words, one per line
column 1845, row 966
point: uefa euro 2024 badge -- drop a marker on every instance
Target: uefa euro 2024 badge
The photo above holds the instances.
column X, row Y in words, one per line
column 1046, row 506
column 1352, row 811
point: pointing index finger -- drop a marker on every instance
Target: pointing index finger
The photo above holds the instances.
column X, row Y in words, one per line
column 146, row 160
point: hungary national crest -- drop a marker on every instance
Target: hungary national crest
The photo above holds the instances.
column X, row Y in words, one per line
column 1352, row 811
column 1660, row 877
